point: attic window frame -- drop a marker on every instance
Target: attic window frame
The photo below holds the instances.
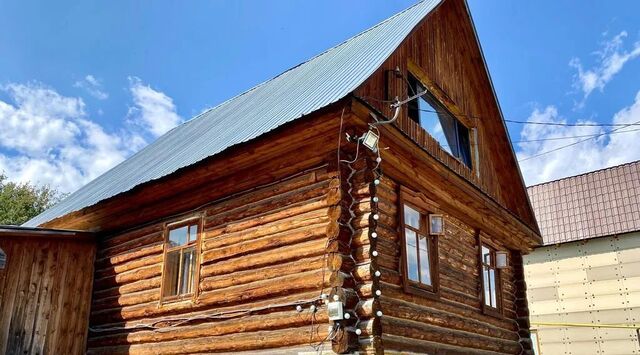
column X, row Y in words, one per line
column 451, row 108
column 196, row 244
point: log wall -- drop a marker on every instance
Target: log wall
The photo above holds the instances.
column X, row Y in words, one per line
column 454, row 321
column 45, row 289
column 264, row 251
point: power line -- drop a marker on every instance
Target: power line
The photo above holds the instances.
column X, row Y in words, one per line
column 562, row 138
column 549, row 123
column 578, row 142
column 575, row 124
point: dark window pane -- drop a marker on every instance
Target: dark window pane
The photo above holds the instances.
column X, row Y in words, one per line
column 425, row 269
column 178, row 236
column 412, row 256
column 172, row 265
column 486, row 255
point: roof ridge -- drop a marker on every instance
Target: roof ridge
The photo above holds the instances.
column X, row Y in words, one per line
column 585, row 173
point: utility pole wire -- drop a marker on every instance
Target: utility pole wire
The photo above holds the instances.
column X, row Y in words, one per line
column 578, row 142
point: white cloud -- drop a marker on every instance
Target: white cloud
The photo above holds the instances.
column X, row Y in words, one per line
column 611, row 58
column 152, row 109
column 93, row 87
column 604, row 151
column 47, row 138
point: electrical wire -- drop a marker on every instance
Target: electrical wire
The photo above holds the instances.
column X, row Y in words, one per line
column 578, row 142
column 217, row 315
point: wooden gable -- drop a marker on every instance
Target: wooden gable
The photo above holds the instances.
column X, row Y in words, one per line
column 443, row 52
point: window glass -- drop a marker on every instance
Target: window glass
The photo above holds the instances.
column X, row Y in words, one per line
column 178, row 236
column 534, row 340
column 180, row 267
column 431, row 115
column 425, row 269
column 188, row 267
column 490, row 275
column 492, row 287
column 172, row 266
column 411, row 217
column 487, row 294
column 412, row 256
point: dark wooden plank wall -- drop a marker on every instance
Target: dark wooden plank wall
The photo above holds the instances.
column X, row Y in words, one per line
column 444, row 47
column 45, row 292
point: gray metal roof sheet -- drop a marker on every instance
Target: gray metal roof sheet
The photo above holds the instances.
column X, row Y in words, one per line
column 312, row 85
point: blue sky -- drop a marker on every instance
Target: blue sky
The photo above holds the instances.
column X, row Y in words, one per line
column 85, row 84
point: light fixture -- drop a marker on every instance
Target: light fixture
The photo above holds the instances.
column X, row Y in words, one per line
column 502, row 260
column 436, row 224
column 370, row 140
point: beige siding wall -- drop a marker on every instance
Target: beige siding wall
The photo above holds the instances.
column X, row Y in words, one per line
column 594, row 281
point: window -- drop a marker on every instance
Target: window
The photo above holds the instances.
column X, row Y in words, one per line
column 430, row 114
column 535, row 342
column 419, row 251
column 490, row 278
column 180, row 260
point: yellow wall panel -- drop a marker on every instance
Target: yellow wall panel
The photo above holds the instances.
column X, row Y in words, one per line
column 595, row 281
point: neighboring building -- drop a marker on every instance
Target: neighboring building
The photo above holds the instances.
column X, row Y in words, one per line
column 584, row 284
column 223, row 235
column 45, row 290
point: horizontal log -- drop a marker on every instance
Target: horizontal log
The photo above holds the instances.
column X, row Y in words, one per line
column 138, row 274
column 254, row 245
column 228, row 296
column 226, row 236
column 266, row 273
column 135, row 286
column 128, row 255
column 428, row 315
column 128, row 237
column 232, row 342
column 128, row 266
column 399, row 345
column 422, row 331
column 274, row 215
column 251, row 197
column 270, row 257
column 213, row 326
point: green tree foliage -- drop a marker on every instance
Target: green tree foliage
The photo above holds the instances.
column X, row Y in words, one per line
column 21, row 202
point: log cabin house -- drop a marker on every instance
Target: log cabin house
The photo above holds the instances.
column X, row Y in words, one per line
column 367, row 200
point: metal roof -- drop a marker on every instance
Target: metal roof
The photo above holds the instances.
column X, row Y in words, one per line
column 301, row 90
column 596, row 204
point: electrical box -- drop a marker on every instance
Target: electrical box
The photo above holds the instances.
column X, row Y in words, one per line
column 334, row 309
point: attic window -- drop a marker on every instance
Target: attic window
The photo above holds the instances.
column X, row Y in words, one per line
column 430, row 114
column 180, row 272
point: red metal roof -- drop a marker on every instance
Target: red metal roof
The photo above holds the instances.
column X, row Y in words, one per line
column 596, row 204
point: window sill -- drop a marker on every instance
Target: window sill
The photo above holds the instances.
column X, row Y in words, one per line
column 490, row 311
column 187, row 298
column 421, row 291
